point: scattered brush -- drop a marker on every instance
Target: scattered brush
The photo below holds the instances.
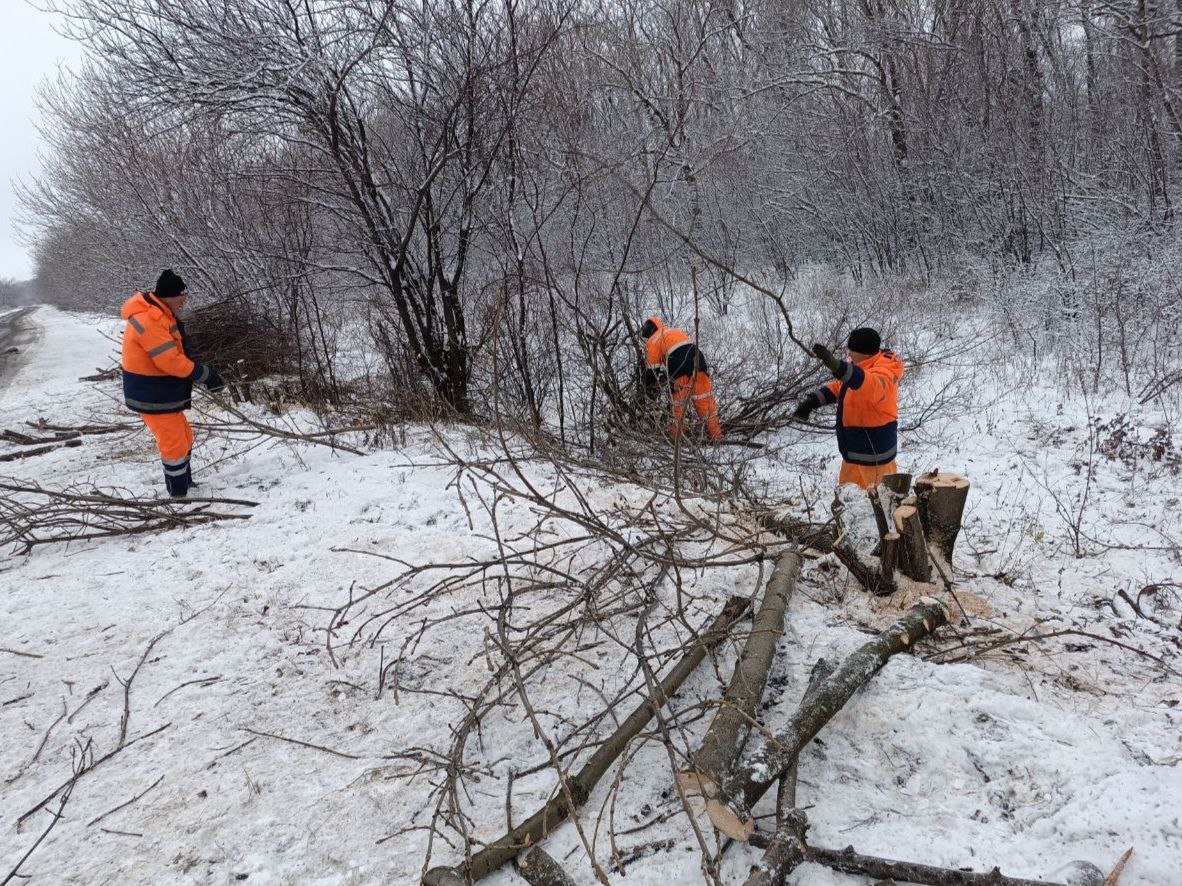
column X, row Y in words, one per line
column 31, row 515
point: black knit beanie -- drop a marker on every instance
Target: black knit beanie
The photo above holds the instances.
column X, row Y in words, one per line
column 169, row 284
column 865, row 340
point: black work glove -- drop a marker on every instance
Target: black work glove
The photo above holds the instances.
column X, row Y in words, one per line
column 803, row 410
column 827, row 357
column 213, row 381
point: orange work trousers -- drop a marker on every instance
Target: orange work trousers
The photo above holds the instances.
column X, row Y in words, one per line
column 865, row 476
column 698, row 390
column 174, row 436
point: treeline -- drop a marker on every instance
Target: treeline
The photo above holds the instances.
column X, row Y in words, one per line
column 14, row 293
column 492, row 192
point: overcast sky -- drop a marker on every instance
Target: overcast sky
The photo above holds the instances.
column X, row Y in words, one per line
column 30, row 51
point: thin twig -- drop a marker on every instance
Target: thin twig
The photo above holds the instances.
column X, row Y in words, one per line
column 305, row 744
column 96, row 820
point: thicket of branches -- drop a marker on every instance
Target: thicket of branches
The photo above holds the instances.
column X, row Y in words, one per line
column 451, row 184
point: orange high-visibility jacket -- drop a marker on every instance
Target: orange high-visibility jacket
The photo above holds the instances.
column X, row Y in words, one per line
column 867, row 398
column 158, row 375
column 671, row 351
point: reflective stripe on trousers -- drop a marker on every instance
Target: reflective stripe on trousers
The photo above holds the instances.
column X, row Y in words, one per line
column 699, row 390
column 143, row 404
column 870, row 459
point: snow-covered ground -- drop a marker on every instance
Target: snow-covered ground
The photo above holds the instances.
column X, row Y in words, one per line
column 257, row 755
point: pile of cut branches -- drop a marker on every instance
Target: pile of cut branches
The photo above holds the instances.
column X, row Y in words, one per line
column 612, row 577
column 33, row 515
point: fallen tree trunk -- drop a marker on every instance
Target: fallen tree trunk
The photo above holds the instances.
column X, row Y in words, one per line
column 730, row 808
column 941, row 498
column 579, row 786
column 728, row 731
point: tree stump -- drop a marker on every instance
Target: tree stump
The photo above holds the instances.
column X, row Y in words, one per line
column 876, row 496
column 888, row 559
column 913, row 554
column 941, row 498
column 897, row 484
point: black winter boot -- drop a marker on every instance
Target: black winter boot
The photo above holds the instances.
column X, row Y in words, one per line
column 177, row 478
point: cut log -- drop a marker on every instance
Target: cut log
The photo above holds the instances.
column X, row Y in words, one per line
column 728, row 731
column 913, row 555
column 941, row 499
column 558, row 810
column 539, row 869
column 730, row 811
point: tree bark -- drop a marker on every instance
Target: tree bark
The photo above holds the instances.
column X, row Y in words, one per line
column 730, row 810
column 847, row 553
column 887, row 560
column 784, row 854
column 789, row 844
column 539, row 869
column 817, row 536
column 941, row 499
column 558, row 810
column 915, row 561
column 880, row 517
column 896, row 487
column 728, row 731
column 897, row 484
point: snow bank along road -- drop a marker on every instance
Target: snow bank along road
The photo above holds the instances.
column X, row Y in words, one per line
column 12, row 321
column 243, row 752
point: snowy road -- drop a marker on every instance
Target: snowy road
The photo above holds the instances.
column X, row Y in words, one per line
column 13, row 325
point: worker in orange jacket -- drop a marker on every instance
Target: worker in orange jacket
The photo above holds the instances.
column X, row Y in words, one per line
column 866, row 391
column 671, row 354
column 158, row 374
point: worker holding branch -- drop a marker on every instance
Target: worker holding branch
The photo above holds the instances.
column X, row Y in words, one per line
column 158, row 374
column 866, row 391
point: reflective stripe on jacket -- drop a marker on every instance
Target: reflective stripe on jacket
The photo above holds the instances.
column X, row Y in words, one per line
column 158, row 376
column 867, row 397
column 672, row 351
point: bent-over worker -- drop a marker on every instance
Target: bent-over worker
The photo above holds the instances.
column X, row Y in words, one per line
column 671, row 354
